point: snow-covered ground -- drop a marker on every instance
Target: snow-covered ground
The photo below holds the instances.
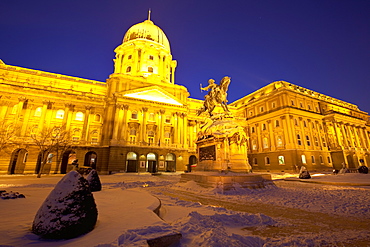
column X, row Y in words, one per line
column 329, row 210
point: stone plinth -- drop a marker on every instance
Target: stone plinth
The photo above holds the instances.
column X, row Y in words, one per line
column 227, row 181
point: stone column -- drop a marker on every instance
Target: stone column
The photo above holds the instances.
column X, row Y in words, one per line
column 185, row 130
column 259, row 138
column 344, row 134
column 18, row 115
column 143, row 126
column 122, row 130
column 272, row 145
column 67, row 118
column 86, row 125
column 162, row 118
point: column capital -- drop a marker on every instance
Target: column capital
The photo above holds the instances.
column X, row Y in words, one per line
column 22, row 99
column 125, row 106
column 161, row 111
column 145, row 109
column 88, row 107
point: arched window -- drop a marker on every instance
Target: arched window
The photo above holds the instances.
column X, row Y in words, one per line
column 277, row 123
column 38, row 112
column 267, row 161
column 128, row 69
column 60, row 114
column 252, row 129
column 304, row 161
column 321, row 159
column 263, row 126
column 281, row 160
column 313, row 159
column 131, row 156
column 79, row 116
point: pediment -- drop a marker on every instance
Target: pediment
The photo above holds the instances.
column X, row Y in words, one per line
column 154, row 93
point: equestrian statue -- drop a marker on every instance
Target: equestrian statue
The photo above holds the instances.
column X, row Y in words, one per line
column 217, row 95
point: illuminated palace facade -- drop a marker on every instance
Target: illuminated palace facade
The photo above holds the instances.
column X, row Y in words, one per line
column 140, row 120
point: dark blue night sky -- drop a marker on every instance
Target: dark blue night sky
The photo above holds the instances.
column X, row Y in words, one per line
column 322, row 45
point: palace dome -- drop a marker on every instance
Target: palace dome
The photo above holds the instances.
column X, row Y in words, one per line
column 149, row 31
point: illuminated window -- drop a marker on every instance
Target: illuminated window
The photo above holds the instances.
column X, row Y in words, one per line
column 265, row 142
column 132, row 136
column 134, row 115
column 50, row 158
column 15, row 109
column 128, row 69
column 281, row 160
column 38, row 112
column 299, row 139
column 131, row 156
column 79, row 116
column 304, row 161
column 254, row 144
column 267, row 161
column 279, row 141
column 75, row 139
column 25, row 157
column 60, row 114
column 167, row 138
column 151, row 116
column 94, row 140
column 150, row 69
column 151, row 137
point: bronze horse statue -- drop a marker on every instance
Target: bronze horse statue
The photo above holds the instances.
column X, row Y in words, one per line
column 216, row 96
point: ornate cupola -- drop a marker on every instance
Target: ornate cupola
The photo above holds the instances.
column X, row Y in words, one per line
column 145, row 52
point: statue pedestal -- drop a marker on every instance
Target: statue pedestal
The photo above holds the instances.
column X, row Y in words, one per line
column 227, row 181
column 222, row 147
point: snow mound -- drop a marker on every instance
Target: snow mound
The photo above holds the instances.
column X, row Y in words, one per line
column 212, row 230
column 69, row 210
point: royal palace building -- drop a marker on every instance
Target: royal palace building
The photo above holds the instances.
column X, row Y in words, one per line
column 140, row 120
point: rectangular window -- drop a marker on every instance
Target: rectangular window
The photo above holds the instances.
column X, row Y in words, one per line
column 308, row 141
